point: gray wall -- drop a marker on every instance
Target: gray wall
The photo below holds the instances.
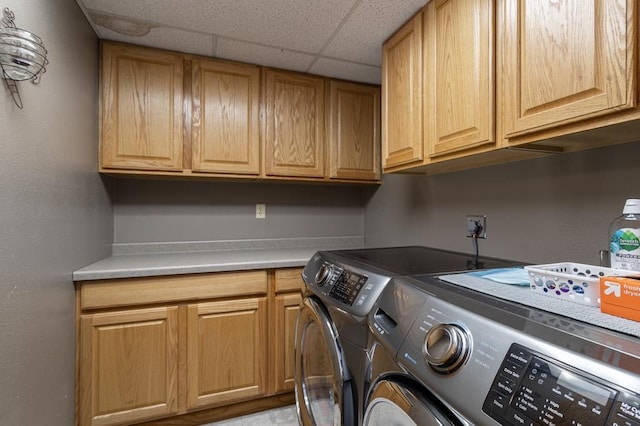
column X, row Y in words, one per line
column 55, row 215
column 545, row 210
column 170, row 211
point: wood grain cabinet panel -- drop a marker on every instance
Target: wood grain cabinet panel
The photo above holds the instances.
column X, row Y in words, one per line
column 227, row 351
column 225, row 118
column 402, row 140
column 287, row 307
column 288, row 286
column 459, row 77
column 566, row 61
column 354, row 131
column 295, row 137
column 142, row 116
column 129, row 366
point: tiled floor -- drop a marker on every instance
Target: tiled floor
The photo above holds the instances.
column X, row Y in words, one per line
column 285, row 416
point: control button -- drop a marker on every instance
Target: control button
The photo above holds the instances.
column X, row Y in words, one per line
column 495, row 404
column 517, row 418
column 512, row 371
column 446, row 347
column 505, row 386
column 323, row 275
column 519, row 356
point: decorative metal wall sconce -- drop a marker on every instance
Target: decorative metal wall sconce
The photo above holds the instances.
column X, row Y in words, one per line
column 22, row 55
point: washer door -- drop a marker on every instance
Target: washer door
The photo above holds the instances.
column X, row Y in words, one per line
column 401, row 402
column 323, row 391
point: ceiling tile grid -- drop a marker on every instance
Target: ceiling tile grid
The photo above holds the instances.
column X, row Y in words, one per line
column 167, row 38
column 263, row 55
column 362, row 35
column 335, row 38
column 346, row 70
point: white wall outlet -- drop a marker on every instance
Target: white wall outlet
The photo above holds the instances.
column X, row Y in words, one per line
column 477, row 223
column 261, row 211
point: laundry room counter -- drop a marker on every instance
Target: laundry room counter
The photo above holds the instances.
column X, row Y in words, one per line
column 150, row 259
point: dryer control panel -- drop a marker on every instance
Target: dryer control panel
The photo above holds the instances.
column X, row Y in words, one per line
column 347, row 286
column 531, row 389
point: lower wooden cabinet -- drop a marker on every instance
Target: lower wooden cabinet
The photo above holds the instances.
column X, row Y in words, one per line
column 152, row 348
column 128, row 365
column 227, row 351
column 288, row 288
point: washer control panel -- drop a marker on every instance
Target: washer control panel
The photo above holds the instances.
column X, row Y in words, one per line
column 346, row 285
column 531, row 389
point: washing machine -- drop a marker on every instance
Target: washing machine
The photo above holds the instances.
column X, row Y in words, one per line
column 332, row 333
column 466, row 358
column 394, row 396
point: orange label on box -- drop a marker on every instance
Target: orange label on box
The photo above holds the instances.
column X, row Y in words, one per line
column 620, row 296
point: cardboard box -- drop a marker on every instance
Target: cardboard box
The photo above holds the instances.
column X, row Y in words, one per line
column 620, row 296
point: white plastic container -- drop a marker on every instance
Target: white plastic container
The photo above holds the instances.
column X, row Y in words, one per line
column 624, row 238
column 574, row 282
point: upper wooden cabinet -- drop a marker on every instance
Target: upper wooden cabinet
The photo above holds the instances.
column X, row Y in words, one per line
column 225, row 117
column 508, row 80
column 566, row 61
column 354, row 131
column 459, row 82
column 173, row 114
column 294, row 114
column 402, row 140
column 142, row 114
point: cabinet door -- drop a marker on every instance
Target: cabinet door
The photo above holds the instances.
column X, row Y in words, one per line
column 402, row 141
column 566, row 61
column 225, row 120
column 227, row 350
column 354, row 131
column 287, row 307
column 295, row 141
column 142, row 117
column 129, row 362
column 459, row 75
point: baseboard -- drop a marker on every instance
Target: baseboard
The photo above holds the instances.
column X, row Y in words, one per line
column 228, row 411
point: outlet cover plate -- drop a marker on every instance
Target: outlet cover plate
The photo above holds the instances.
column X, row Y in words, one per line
column 261, row 211
column 472, row 219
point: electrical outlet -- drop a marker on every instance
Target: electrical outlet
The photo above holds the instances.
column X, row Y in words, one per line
column 261, row 211
column 475, row 221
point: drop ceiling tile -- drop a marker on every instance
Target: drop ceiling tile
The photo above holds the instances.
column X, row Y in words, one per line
column 291, row 24
column 360, row 38
column 166, row 38
column 347, row 70
column 262, row 55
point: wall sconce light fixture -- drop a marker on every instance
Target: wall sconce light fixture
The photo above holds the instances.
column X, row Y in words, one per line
column 22, row 55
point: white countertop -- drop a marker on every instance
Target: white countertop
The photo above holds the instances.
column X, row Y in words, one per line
column 280, row 255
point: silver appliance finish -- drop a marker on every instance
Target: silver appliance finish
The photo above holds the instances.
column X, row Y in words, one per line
column 524, row 366
column 343, row 292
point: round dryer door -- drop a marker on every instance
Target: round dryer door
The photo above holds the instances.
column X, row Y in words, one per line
column 322, row 386
column 406, row 403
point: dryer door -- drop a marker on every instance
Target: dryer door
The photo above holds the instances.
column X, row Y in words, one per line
column 400, row 402
column 323, row 387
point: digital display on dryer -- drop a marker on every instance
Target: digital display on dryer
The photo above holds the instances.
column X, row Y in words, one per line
column 347, row 287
